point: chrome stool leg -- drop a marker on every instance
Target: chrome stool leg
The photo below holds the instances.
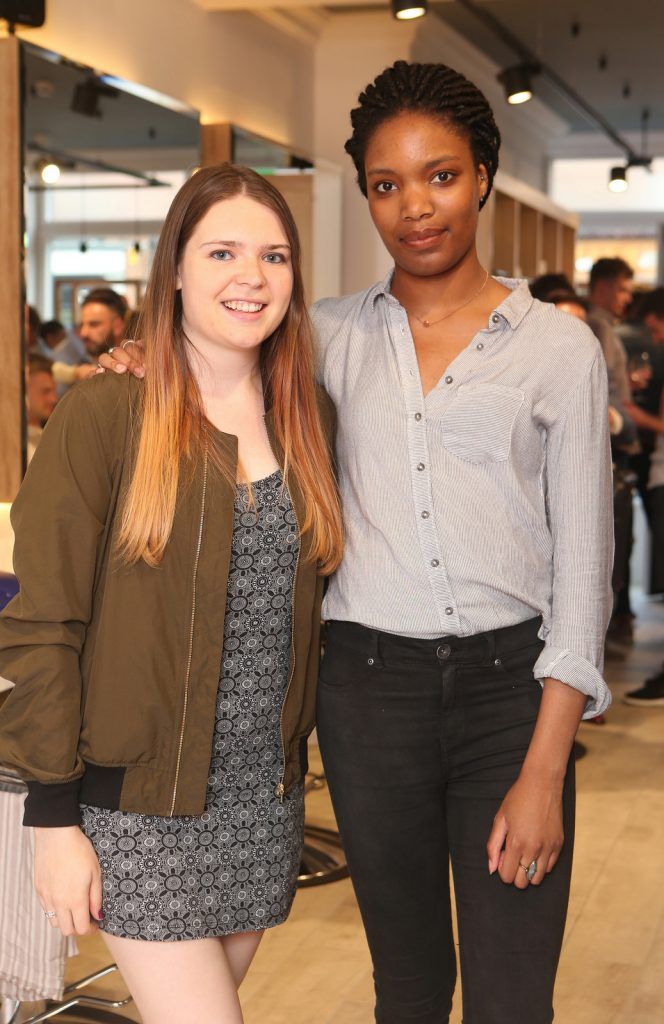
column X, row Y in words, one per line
column 323, row 858
column 92, row 1009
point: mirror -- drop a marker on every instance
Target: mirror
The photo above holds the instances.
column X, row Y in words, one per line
column 103, row 160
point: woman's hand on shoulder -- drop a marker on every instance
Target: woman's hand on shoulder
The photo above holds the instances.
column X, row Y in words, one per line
column 129, row 356
column 68, row 879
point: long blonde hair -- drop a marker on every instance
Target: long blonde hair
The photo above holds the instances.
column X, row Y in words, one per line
column 174, row 430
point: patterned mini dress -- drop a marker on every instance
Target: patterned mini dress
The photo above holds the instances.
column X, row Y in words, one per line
column 234, row 869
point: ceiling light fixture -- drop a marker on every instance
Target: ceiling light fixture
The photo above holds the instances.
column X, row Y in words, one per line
column 516, row 81
column 50, row 173
column 618, row 179
column 407, row 10
column 48, row 170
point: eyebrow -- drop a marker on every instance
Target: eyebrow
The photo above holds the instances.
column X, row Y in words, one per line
column 428, row 165
column 238, row 245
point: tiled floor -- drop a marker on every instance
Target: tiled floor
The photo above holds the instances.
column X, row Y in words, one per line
column 316, row 970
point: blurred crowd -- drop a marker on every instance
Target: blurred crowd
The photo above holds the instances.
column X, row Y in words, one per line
column 630, row 330
column 59, row 358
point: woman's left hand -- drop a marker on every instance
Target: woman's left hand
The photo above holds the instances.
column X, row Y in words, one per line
column 528, row 827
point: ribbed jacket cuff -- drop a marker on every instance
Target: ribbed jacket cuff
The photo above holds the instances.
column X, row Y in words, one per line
column 52, row 805
column 577, row 672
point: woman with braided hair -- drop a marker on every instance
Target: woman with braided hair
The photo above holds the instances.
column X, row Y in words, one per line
column 465, row 623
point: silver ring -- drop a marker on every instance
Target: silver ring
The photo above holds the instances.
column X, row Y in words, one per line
column 129, row 341
column 110, row 351
column 50, row 913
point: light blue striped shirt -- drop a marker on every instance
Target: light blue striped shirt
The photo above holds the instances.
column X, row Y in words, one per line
column 489, row 500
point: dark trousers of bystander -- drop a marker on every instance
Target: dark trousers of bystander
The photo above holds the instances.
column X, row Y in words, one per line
column 421, row 740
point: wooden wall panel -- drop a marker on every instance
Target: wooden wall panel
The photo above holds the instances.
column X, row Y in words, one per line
column 529, row 241
column 12, row 387
column 505, row 242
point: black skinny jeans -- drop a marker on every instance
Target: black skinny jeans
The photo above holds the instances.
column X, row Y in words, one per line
column 421, row 740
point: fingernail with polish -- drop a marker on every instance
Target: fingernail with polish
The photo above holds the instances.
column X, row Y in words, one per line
column 100, row 915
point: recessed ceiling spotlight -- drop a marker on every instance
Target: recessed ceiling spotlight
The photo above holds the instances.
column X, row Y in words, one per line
column 618, row 179
column 407, row 10
column 516, row 81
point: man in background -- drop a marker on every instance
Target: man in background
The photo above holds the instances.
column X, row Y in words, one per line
column 102, row 321
column 41, row 398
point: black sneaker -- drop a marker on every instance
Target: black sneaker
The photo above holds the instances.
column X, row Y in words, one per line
column 650, row 695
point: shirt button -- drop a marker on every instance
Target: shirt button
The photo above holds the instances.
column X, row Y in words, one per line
column 420, row 466
column 495, row 318
column 498, row 662
column 425, row 515
column 435, row 563
column 449, row 611
column 480, row 346
column 418, row 416
column 449, row 380
column 370, row 661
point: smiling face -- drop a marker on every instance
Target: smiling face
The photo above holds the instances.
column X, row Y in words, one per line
column 236, row 276
column 424, row 190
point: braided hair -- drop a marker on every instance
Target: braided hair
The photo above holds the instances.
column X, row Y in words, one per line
column 428, row 89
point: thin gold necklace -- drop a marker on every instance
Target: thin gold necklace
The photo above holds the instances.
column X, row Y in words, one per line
column 432, row 323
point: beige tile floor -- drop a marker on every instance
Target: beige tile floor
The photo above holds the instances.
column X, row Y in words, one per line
column 315, row 969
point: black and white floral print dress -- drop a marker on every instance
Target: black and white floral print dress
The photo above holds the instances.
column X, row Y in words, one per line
column 235, row 868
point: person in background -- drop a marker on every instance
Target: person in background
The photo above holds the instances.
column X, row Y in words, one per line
column 41, row 398
column 102, row 321
column 32, row 330
column 51, row 334
column 610, row 293
column 651, row 313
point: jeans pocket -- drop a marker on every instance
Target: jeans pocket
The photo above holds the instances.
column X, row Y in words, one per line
column 518, row 666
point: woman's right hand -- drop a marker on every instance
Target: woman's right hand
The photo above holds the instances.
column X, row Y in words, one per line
column 68, row 879
column 127, row 357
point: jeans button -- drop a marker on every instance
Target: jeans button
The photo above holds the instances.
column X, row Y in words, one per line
column 370, row 661
column 444, row 651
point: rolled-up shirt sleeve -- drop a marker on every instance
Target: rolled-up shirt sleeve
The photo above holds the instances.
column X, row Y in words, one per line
column 580, row 512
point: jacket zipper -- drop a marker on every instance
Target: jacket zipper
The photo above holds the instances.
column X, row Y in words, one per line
column 279, row 789
column 191, row 632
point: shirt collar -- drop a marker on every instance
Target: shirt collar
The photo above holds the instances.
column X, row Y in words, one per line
column 513, row 308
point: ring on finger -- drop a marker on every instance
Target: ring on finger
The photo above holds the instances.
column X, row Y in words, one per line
column 530, row 869
column 110, row 351
column 49, row 914
column 129, row 341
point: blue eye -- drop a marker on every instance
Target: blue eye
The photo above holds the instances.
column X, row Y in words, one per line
column 274, row 257
column 221, row 255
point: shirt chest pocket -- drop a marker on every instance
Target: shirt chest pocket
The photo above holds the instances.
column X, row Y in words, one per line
column 478, row 424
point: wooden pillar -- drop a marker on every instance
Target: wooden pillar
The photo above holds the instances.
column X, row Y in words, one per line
column 12, row 382
column 216, row 144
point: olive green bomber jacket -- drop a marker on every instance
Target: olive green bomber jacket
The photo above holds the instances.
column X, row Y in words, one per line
column 116, row 667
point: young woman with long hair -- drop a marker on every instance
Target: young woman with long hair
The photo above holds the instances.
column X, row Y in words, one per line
column 465, row 623
column 171, row 544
